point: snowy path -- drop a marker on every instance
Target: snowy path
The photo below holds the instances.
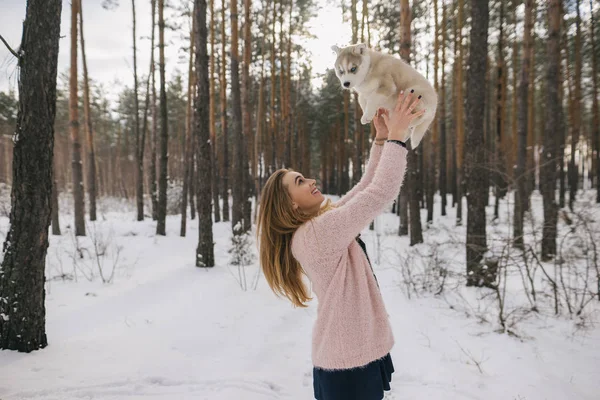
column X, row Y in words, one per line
column 166, row 330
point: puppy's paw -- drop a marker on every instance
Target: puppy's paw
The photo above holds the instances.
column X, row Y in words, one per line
column 365, row 120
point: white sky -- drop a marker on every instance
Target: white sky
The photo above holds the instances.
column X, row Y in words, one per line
column 109, row 41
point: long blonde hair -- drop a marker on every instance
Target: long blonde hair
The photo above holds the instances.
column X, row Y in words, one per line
column 277, row 222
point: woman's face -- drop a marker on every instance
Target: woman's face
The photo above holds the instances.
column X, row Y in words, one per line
column 304, row 193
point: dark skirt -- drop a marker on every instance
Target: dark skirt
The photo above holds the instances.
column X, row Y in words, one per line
column 362, row 383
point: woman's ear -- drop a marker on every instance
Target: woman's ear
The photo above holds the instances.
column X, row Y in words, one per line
column 294, row 206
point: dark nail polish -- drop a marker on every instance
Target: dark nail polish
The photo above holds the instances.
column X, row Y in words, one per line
column 419, row 97
column 412, row 91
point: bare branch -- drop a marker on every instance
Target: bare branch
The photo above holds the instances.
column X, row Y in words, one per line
column 14, row 53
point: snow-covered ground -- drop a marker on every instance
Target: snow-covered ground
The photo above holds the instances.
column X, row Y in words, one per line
column 164, row 329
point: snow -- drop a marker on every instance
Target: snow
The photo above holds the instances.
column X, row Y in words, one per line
column 163, row 329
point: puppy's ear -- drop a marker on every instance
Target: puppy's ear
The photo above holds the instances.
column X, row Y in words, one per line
column 360, row 48
column 336, row 49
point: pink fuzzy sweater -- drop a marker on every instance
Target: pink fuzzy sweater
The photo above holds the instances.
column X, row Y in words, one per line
column 352, row 327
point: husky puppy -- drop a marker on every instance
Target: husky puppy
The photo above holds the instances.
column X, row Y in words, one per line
column 378, row 79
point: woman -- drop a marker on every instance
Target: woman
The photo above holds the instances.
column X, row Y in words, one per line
column 352, row 336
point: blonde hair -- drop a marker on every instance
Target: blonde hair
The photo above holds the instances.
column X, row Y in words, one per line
column 277, row 222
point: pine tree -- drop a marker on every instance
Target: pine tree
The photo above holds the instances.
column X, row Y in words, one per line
column 475, row 167
column 76, row 164
column 164, row 132
column 205, row 251
column 548, row 164
column 22, row 271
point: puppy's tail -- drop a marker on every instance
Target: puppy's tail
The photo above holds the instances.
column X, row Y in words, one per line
column 420, row 130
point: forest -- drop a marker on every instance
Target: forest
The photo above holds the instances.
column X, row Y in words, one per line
column 128, row 208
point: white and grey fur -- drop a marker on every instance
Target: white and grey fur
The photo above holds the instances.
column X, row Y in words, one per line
column 378, row 79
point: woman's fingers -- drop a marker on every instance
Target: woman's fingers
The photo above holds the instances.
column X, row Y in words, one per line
column 386, row 119
column 400, row 101
column 414, row 104
column 417, row 114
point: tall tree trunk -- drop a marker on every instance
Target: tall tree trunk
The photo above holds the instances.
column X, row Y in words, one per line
column 531, row 136
column 499, row 168
column 22, row 271
column 460, row 134
column 224, row 128
column 153, row 141
column 562, row 126
column 237, row 211
column 87, row 116
column 435, row 128
column 193, row 172
column 475, row 164
column 259, row 148
column 188, row 160
column 414, row 194
column 212, row 117
column 247, row 120
column 142, row 146
column 139, row 175
column 595, row 112
column 205, row 251
column 284, row 138
column 78, row 190
column 164, row 126
column 442, row 118
column 273, row 119
column 548, row 165
column 358, row 131
column 520, row 177
column 512, row 167
column 576, row 122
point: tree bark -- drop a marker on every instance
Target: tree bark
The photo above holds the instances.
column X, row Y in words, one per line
column 576, row 122
column 164, row 126
column 562, row 128
column 247, row 145
column 139, row 174
column 224, row 127
column 273, row 134
column 499, row 172
column 260, row 163
column 237, row 209
column 531, row 135
column 522, row 122
column 188, row 175
column 511, row 155
column 214, row 161
column 22, row 271
column 153, row 142
column 442, row 119
column 548, row 165
column 596, row 111
column 475, row 164
column 358, row 131
column 459, row 117
column 78, row 190
column 205, row 251
column 87, row 115
column 413, row 172
column 142, row 147
column 431, row 169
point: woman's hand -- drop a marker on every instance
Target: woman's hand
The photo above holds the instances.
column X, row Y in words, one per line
column 400, row 120
column 380, row 126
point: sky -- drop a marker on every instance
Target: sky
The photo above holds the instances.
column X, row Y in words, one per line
column 109, row 41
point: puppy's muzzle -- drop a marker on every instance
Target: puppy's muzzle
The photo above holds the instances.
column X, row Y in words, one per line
column 346, row 84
